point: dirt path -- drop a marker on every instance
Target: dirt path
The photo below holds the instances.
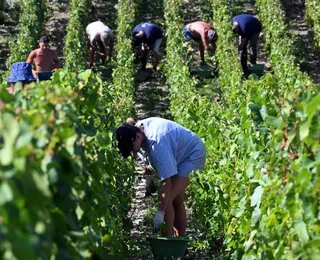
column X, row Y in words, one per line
column 151, row 99
column 152, row 93
column 303, row 48
column 105, row 11
column 8, row 30
column 55, row 26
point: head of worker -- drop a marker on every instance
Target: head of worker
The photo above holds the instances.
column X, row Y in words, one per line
column 138, row 39
column 212, row 35
column 105, row 39
column 130, row 139
column 44, row 43
column 235, row 28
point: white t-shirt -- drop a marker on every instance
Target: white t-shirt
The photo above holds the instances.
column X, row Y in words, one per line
column 94, row 29
column 169, row 145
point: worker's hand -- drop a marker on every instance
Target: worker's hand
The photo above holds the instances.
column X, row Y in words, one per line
column 151, row 188
column 54, row 70
column 158, row 220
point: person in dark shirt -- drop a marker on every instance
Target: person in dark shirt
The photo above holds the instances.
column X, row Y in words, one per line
column 248, row 28
column 148, row 36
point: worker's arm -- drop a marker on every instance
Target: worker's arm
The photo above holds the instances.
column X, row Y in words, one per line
column 205, row 42
column 92, row 51
column 242, row 44
column 31, row 57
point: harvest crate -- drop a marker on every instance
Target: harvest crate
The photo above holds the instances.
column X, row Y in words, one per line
column 168, row 247
column 205, row 71
column 258, row 69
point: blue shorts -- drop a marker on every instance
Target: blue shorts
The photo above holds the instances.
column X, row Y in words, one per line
column 195, row 161
column 187, row 33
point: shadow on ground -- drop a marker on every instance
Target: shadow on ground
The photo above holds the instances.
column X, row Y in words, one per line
column 307, row 56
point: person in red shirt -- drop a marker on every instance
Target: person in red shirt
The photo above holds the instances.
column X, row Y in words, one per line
column 204, row 34
column 44, row 58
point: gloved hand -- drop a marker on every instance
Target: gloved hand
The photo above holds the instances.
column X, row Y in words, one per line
column 158, row 220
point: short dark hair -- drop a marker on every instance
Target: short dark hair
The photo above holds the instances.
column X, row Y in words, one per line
column 126, row 134
column 44, row 39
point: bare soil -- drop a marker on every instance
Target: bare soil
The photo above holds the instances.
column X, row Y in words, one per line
column 56, row 25
column 307, row 55
column 8, row 30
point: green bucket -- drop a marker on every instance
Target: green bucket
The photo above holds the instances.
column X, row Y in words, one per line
column 258, row 69
column 205, row 71
column 168, row 247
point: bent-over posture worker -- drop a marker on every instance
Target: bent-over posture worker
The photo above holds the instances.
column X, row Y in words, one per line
column 149, row 36
column 20, row 72
column 204, row 34
column 101, row 40
column 44, row 58
column 174, row 152
column 248, row 28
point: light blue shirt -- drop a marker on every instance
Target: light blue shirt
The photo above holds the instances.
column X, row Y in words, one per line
column 167, row 145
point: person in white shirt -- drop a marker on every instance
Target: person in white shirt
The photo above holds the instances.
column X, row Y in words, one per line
column 174, row 152
column 101, row 40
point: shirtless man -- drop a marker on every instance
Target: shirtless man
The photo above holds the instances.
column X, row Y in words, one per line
column 44, row 58
column 204, row 34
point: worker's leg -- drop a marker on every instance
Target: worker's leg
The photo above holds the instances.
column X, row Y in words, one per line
column 155, row 54
column 176, row 212
column 178, row 185
column 201, row 52
column 253, row 47
column 180, row 220
column 92, row 51
column 155, row 58
column 244, row 60
column 244, row 56
column 144, row 59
